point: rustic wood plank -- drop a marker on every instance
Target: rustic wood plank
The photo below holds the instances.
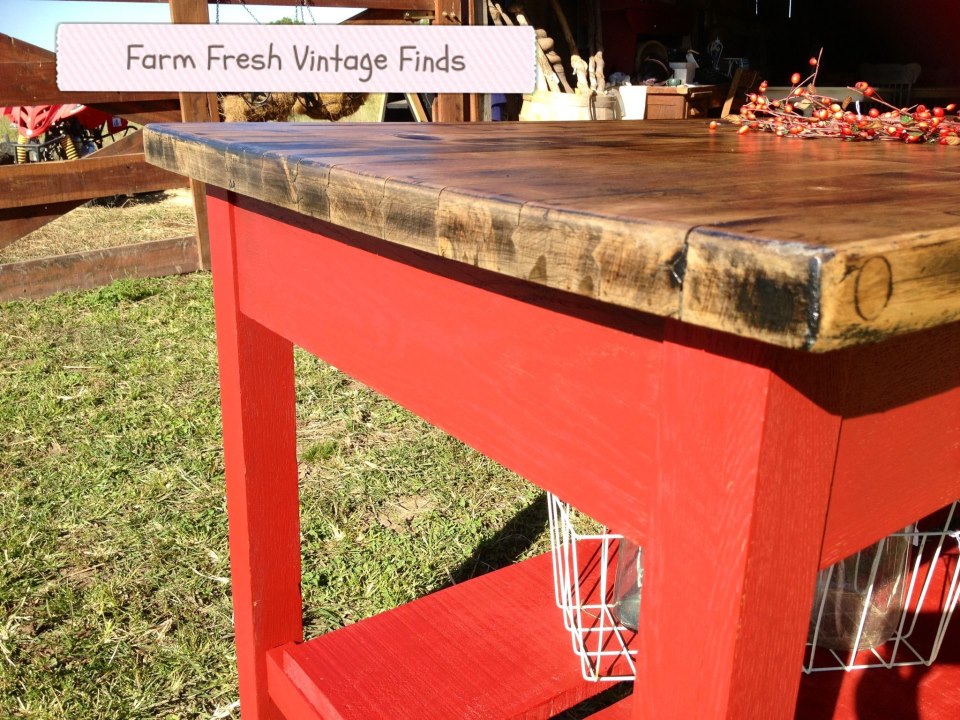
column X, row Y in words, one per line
column 141, row 113
column 34, row 279
column 791, row 242
column 15, row 222
column 15, row 51
column 500, row 651
column 30, row 78
column 448, row 107
column 90, row 177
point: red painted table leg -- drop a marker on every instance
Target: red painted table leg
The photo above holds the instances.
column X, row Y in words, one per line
column 734, row 547
column 259, row 435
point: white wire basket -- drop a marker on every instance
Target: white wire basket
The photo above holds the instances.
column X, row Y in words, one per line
column 927, row 592
column 585, row 561
column 584, row 565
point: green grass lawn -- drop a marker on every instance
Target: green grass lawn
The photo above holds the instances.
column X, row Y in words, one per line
column 114, row 589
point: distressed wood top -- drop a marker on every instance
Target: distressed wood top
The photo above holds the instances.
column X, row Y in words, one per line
column 806, row 244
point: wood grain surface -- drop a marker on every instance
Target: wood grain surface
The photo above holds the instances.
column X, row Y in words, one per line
column 804, row 244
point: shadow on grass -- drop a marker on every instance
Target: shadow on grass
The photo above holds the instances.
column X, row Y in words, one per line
column 508, row 545
column 118, row 201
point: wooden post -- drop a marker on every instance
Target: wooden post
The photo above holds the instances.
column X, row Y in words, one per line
column 260, row 455
column 448, row 107
column 477, row 13
column 737, row 522
column 197, row 107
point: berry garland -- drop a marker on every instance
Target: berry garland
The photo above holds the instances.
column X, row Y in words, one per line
column 834, row 118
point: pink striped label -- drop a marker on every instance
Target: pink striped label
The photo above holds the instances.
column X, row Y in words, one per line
column 299, row 58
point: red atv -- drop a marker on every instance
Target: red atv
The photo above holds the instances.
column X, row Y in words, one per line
column 58, row 132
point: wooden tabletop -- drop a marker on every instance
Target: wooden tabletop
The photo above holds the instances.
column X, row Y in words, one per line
column 810, row 244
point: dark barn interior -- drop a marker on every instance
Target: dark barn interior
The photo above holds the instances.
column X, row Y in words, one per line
column 774, row 37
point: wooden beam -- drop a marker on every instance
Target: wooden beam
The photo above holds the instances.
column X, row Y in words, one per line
column 197, row 107
column 17, row 222
column 13, row 50
column 447, row 107
column 94, row 268
column 30, row 78
column 91, row 177
column 144, row 112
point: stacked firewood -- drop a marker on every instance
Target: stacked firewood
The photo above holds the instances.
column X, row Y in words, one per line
column 551, row 76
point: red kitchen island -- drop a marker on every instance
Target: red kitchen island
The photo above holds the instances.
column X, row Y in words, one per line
column 742, row 352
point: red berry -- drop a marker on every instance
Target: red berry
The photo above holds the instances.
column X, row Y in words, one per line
column 951, row 107
column 874, row 113
column 743, row 129
column 713, row 124
column 812, row 61
column 795, row 78
column 868, row 91
column 938, row 112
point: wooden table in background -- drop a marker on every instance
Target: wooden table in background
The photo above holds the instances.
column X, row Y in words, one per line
column 682, row 102
column 743, row 352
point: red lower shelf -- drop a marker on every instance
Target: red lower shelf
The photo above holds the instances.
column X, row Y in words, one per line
column 501, row 651
column 495, row 647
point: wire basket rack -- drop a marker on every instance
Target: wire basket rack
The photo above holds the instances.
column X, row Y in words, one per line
column 927, row 591
column 584, row 564
column 585, row 561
